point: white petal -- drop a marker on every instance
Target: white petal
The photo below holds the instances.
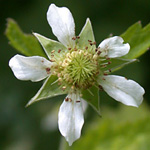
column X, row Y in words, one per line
column 62, row 24
column 33, row 68
column 126, row 91
column 114, row 47
column 70, row 118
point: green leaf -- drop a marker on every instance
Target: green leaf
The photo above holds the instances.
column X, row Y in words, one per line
column 92, row 97
column 49, row 89
column 25, row 43
column 85, row 35
column 126, row 128
column 138, row 38
column 49, row 44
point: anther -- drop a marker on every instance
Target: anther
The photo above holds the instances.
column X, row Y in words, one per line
column 105, row 74
column 69, row 49
column 77, row 37
column 96, row 49
column 109, row 62
column 89, row 41
column 48, row 70
column 72, row 87
column 58, row 75
column 86, row 47
column 52, row 55
column 109, row 70
column 66, row 99
column 59, row 79
column 103, row 66
column 75, row 49
column 107, row 58
column 78, row 101
column 91, row 44
column 70, row 100
column 59, row 50
column 94, row 43
column 100, row 87
column 74, row 38
column 99, row 52
column 63, row 88
column 52, row 51
column 51, row 60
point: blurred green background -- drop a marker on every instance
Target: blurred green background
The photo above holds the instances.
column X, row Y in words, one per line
column 35, row 127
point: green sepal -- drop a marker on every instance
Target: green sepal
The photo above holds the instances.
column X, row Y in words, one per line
column 138, row 38
column 48, row 44
column 85, row 35
column 116, row 64
column 49, row 89
column 91, row 95
column 26, row 44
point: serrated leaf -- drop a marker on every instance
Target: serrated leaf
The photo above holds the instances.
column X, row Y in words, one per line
column 25, row 43
column 138, row 38
column 85, row 35
column 49, row 44
column 49, row 89
column 92, row 97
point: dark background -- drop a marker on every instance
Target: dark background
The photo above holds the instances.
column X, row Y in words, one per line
column 22, row 128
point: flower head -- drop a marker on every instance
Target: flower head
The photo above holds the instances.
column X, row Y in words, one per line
column 77, row 68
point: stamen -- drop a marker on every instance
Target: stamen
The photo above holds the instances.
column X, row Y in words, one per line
column 59, row 50
column 109, row 62
column 105, row 74
column 52, row 51
column 51, row 60
column 69, row 49
column 66, row 99
column 86, row 47
column 100, row 88
column 99, row 52
column 75, row 49
column 74, row 38
column 96, row 49
column 107, row 58
column 48, row 70
column 109, row 70
column 78, row 37
column 70, row 100
column 103, row 66
column 63, row 88
column 77, row 101
column 94, row 43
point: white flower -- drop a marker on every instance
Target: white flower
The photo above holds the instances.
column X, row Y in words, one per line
column 78, row 65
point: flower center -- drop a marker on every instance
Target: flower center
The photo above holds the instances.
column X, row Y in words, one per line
column 81, row 68
column 78, row 69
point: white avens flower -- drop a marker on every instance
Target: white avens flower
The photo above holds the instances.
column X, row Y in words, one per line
column 76, row 68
